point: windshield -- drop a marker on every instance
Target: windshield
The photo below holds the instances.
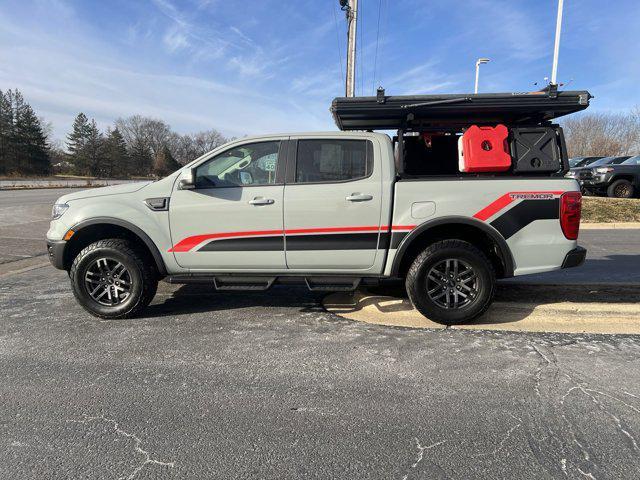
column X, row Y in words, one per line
column 583, row 162
column 575, row 161
column 606, row 161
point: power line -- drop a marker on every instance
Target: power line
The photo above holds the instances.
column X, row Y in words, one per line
column 335, row 19
column 375, row 58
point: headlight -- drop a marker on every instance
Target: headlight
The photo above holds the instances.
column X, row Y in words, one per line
column 603, row 170
column 58, row 210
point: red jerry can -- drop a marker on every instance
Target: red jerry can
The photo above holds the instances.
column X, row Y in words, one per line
column 484, row 149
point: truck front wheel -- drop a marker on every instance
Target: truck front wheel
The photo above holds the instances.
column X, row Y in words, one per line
column 451, row 282
column 113, row 279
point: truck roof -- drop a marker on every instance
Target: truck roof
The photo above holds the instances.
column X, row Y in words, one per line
column 415, row 111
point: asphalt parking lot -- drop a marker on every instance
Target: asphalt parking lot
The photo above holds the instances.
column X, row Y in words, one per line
column 269, row 385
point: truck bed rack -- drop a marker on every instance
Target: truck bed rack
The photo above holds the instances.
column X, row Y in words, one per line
column 423, row 111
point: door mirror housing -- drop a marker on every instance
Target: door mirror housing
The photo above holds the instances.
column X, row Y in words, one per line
column 187, row 179
column 246, row 178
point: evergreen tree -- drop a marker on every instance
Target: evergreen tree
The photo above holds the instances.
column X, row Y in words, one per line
column 23, row 143
column 116, row 158
column 164, row 163
column 6, row 128
column 94, row 150
column 76, row 142
column 141, row 158
column 32, row 143
column 14, row 103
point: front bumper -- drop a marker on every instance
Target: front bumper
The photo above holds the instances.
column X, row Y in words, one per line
column 575, row 257
column 598, row 181
column 55, row 248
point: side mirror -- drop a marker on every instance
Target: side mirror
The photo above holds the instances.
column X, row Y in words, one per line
column 187, row 180
column 246, row 178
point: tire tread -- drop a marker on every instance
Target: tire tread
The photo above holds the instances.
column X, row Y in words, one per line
column 414, row 272
column 149, row 275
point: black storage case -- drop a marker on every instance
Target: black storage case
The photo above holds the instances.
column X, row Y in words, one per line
column 536, row 149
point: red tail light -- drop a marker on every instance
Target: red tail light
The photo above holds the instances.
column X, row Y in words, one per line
column 570, row 209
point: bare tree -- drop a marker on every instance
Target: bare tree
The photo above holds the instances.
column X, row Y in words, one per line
column 186, row 148
column 603, row 134
column 150, row 132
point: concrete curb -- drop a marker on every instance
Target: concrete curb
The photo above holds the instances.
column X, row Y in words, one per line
column 610, row 226
column 598, row 312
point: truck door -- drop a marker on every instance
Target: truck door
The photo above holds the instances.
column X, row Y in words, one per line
column 232, row 219
column 332, row 204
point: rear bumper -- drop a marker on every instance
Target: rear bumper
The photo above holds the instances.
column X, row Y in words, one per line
column 55, row 249
column 575, row 257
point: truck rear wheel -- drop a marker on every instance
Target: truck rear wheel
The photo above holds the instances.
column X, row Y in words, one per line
column 451, row 282
column 621, row 189
column 112, row 279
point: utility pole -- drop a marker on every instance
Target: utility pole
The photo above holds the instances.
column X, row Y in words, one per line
column 350, row 8
column 556, row 48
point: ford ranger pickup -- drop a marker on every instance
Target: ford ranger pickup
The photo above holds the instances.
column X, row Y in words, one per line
column 335, row 210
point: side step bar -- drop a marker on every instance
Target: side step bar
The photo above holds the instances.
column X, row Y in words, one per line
column 332, row 284
column 261, row 283
column 240, row 283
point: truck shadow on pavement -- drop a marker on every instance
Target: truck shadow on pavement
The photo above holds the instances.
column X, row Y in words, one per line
column 189, row 299
column 586, row 295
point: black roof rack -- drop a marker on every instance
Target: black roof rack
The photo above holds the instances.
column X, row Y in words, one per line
column 422, row 111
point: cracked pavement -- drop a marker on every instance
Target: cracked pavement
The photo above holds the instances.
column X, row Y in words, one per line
column 269, row 385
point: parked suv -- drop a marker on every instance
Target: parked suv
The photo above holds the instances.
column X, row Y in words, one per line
column 338, row 209
column 618, row 178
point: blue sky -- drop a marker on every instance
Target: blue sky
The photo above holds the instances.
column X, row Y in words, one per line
column 257, row 66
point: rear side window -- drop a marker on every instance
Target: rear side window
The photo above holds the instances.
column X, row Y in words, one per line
column 320, row 161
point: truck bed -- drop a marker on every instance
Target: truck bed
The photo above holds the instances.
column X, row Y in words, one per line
column 524, row 211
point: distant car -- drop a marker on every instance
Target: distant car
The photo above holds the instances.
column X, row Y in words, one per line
column 619, row 178
column 588, row 162
column 575, row 172
column 576, row 162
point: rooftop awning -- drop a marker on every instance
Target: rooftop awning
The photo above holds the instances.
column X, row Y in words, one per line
column 416, row 111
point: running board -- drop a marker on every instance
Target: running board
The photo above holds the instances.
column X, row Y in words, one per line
column 332, row 284
column 243, row 283
column 316, row 283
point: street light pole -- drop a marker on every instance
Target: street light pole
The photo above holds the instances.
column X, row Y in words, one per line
column 556, row 48
column 479, row 62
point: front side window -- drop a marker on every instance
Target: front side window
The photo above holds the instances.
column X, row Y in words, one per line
column 247, row 165
column 332, row 161
column 632, row 161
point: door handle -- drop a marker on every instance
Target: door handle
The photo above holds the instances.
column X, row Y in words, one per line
column 359, row 197
column 262, row 201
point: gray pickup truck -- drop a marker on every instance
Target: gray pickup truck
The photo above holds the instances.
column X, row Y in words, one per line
column 334, row 210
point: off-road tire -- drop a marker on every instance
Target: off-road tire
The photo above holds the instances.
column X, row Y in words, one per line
column 621, row 189
column 416, row 281
column 144, row 278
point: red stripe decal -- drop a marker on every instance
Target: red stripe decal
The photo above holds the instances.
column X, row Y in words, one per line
column 295, row 231
column 402, row 228
column 505, row 200
column 190, row 242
